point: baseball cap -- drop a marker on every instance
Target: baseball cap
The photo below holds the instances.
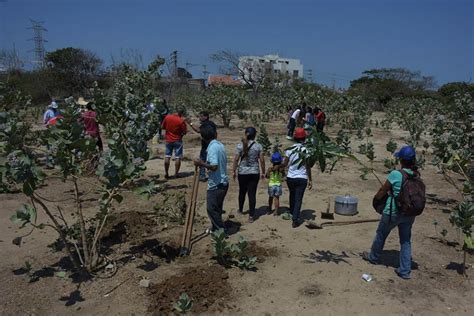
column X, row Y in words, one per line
column 300, row 133
column 276, row 158
column 406, row 153
column 54, row 105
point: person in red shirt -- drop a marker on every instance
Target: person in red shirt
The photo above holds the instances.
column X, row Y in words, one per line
column 320, row 119
column 91, row 126
column 175, row 128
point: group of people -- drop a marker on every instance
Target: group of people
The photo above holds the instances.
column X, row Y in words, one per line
column 306, row 117
column 88, row 119
column 249, row 168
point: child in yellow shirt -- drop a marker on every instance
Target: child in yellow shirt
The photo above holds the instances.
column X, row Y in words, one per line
column 275, row 174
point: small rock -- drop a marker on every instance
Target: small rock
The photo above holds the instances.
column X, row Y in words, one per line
column 110, row 266
column 145, row 283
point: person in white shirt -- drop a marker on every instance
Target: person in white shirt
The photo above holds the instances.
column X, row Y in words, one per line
column 299, row 176
column 292, row 124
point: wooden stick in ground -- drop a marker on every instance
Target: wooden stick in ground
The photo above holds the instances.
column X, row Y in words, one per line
column 193, row 211
column 188, row 224
column 188, row 213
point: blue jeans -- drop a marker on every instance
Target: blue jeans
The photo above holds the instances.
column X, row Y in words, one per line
column 291, row 127
column 386, row 225
column 215, row 205
column 203, row 157
column 296, row 186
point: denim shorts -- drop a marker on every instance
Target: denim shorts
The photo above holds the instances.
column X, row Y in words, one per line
column 275, row 191
column 177, row 147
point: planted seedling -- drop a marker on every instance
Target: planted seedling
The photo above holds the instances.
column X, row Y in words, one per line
column 263, row 139
column 184, row 304
column 228, row 253
column 463, row 218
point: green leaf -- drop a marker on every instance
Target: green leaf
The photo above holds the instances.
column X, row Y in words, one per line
column 469, row 242
column 27, row 189
column 61, row 274
column 25, row 214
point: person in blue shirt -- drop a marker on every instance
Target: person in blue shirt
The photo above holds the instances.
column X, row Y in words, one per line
column 218, row 181
column 51, row 112
column 391, row 217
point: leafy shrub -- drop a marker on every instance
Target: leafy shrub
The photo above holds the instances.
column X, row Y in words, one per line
column 228, row 253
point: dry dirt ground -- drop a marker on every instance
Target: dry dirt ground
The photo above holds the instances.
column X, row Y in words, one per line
column 299, row 271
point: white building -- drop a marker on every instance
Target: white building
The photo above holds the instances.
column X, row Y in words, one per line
column 256, row 65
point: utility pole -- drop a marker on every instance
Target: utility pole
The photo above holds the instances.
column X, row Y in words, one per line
column 38, row 29
column 174, row 62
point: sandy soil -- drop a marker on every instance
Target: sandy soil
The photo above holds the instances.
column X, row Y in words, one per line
column 300, row 271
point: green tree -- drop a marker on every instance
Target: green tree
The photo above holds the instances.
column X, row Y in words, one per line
column 382, row 85
column 72, row 69
column 128, row 126
column 449, row 90
column 222, row 101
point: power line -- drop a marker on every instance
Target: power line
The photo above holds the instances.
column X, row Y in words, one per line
column 38, row 29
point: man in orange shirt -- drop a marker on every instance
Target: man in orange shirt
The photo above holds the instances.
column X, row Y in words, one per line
column 175, row 128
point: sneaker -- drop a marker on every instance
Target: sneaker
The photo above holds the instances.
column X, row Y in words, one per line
column 240, row 212
column 365, row 256
column 289, row 137
column 251, row 219
column 295, row 224
column 404, row 277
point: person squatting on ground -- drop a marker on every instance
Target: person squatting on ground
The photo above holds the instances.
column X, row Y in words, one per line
column 298, row 177
column 218, row 182
column 275, row 175
column 91, row 126
column 292, row 123
column 248, row 159
column 175, row 128
column 205, row 121
column 391, row 217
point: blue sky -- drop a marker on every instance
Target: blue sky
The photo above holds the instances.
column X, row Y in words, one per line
column 339, row 38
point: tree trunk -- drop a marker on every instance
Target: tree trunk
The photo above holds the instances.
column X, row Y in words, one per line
column 82, row 224
column 226, row 121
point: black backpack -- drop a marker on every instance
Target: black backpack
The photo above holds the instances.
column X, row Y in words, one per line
column 412, row 197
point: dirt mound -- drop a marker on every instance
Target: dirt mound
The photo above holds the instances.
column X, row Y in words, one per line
column 172, row 208
column 207, row 286
column 128, row 226
column 261, row 252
